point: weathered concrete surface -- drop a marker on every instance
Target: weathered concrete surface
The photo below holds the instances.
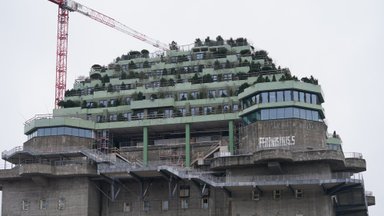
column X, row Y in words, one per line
column 64, row 143
column 75, row 192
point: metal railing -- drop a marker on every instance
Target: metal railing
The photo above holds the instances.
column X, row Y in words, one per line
column 355, row 155
column 8, row 153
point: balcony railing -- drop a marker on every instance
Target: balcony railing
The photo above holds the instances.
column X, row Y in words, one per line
column 355, row 155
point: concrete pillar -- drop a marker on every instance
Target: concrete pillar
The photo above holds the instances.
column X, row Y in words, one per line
column 145, row 146
column 231, row 146
column 187, row 145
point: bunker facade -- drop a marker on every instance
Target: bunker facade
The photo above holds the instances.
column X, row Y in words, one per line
column 216, row 129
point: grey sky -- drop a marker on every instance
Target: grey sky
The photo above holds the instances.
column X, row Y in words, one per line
column 339, row 42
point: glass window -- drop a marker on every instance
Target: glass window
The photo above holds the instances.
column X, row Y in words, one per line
column 280, row 113
column 280, row 96
column 212, row 93
column 272, row 114
column 146, row 205
column 307, row 98
column 302, row 96
column 184, row 203
column 287, row 95
column 43, row 204
column 126, row 207
column 314, row 99
column 308, row 114
column 295, row 96
column 264, row 114
column 272, row 97
column 204, row 203
column 315, row 115
column 264, row 97
column 296, row 112
column 258, row 115
column 61, row 204
column 164, row 205
column 235, row 107
column 54, row 131
column 75, row 131
column 288, row 112
column 40, row 132
column 47, row 131
column 303, row 114
column 81, row 132
column 257, row 98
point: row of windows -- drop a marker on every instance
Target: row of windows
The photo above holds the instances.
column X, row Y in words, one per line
column 43, row 204
column 53, row 131
column 281, row 113
column 167, row 113
column 280, row 96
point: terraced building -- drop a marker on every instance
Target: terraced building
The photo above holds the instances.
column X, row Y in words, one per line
column 216, row 129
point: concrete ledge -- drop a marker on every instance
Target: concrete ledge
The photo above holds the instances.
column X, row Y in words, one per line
column 336, row 158
column 75, row 169
column 355, row 164
column 272, row 155
column 35, row 169
column 9, row 173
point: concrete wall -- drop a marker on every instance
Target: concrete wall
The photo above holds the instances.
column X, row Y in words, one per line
column 75, row 192
column 57, row 144
column 301, row 135
column 313, row 203
column 158, row 192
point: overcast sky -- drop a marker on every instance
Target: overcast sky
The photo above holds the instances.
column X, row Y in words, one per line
column 339, row 42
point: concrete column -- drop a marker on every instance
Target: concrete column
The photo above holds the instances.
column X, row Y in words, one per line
column 145, row 146
column 187, row 145
column 231, row 146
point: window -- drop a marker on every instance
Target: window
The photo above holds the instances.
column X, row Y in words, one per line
column 235, row 107
column 301, row 97
column 183, row 96
column 205, row 203
column 255, row 195
column 287, row 95
column 314, row 99
column 199, row 56
column 126, row 207
column 307, row 98
column 25, row 204
column 295, row 96
column 61, row 204
column 264, row 114
column 184, row 203
column 194, row 111
column 223, row 93
column 226, row 108
column 168, row 113
column 165, row 205
column 272, row 97
column 207, row 110
column 146, row 205
column 264, row 97
column 279, row 96
column 212, row 93
column 280, row 113
column 272, row 113
column 184, row 191
column 276, row 194
column 43, row 204
column 195, row 95
column 299, row 193
column 183, row 111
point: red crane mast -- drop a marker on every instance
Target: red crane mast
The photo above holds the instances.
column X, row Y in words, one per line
column 66, row 6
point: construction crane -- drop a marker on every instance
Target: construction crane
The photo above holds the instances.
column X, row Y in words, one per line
column 66, row 6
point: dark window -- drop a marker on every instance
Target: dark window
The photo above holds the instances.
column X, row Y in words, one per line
column 295, row 96
column 272, row 97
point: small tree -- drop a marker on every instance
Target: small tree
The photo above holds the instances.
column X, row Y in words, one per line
column 242, row 87
column 273, row 78
column 198, row 42
column 145, row 53
column 173, row 46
